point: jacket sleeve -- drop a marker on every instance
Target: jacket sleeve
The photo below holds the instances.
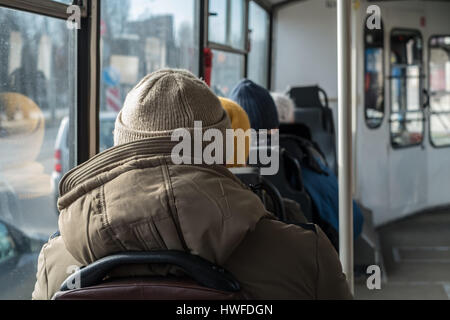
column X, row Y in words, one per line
column 41, row 287
column 55, row 264
column 331, row 283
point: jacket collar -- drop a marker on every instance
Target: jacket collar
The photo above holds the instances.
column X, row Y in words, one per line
column 157, row 148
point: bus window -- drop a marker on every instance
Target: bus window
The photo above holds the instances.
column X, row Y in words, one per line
column 407, row 116
column 37, row 140
column 228, row 70
column 227, row 23
column 374, row 76
column 440, row 90
column 258, row 57
column 137, row 38
column 227, row 39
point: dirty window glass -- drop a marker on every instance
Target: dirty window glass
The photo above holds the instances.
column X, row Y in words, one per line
column 227, row 23
column 37, row 110
column 407, row 118
column 138, row 37
column 258, row 57
column 228, row 70
column 374, row 76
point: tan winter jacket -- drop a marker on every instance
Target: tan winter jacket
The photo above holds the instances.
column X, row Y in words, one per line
column 132, row 198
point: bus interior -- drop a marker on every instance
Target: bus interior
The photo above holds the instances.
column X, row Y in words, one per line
column 370, row 81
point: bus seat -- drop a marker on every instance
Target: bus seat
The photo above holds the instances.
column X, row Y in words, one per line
column 324, row 139
column 312, row 117
column 293, row 131
column 298, row 129
column 266, row 191
column 318, row 116
column 308, row 96
column 205, row 280
column 301, row 149
column 327, row 144
column 288, row 181
column 367, row 248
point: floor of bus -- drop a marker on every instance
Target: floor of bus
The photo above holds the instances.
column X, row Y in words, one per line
column 416, row 253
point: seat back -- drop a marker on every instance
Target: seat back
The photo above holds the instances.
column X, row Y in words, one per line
column 148, row 289
column 317, row 115
column 308, row 97
column 204, row 280
column 324, row 140
column 265, row 190
column 288, row 180
column 298, row 129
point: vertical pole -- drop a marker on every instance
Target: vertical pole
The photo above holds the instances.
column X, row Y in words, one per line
column 247, row 36
column 88, row 69
column 345, row 140
column 201, row 10
column 271, row 46
column 79, row 117
column 94, row 83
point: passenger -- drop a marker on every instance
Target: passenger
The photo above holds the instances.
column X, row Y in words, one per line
column 239, row 120
column 319, row 180
column 258, row 104
column 133, row 198
column 285, row 107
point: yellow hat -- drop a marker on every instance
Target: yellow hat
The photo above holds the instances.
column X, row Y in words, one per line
column 239, row 120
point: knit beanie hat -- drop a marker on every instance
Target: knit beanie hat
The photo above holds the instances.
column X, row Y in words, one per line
column 239, row 120
column 258, row 104
column 285, row 107
column 166, row 100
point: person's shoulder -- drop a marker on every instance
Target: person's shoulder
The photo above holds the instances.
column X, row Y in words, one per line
column 55, row 264
column 296, row 244
column 277, row 261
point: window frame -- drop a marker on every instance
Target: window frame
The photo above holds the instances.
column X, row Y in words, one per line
column 269, row 31
column 270, row 10
column 229, row 49
column 430, row 113
column 47, row 8
column 383, row 71
column 421, row 83
column 224, row 47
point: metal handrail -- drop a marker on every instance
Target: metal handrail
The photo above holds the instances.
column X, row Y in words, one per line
column 345, row 139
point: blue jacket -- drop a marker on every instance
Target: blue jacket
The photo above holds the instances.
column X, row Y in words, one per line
column 324, row 192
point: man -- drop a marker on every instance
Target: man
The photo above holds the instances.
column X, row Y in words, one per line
column 133, row 198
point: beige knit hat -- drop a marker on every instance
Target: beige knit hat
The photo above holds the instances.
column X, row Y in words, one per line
column 166, row 100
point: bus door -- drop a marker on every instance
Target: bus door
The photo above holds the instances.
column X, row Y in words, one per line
column 439, row 119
